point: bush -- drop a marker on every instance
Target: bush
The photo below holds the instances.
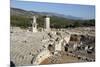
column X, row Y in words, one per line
column 55, row 22
column 19, row 21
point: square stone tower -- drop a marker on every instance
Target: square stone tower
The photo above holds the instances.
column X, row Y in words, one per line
column 34, row 24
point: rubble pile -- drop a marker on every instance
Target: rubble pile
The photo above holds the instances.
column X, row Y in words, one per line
column 50, row 47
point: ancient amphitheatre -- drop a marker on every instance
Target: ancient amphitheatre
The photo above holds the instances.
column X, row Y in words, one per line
column 52, row 46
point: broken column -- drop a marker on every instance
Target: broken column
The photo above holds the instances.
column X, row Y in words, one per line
column 47, row 20
column 58, row 46
column 34, row 24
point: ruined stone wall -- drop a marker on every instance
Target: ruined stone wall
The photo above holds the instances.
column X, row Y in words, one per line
column 42, row 56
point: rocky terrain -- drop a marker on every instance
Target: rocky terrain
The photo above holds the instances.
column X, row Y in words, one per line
column 69, row 45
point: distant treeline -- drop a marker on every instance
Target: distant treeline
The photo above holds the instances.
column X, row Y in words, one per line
column 55, row 22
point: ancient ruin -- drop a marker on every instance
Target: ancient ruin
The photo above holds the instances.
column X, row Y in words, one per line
column 52, row 46
column 34, row 24
column 47, row 20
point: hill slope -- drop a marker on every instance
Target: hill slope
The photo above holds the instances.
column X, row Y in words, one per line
column 22, row 18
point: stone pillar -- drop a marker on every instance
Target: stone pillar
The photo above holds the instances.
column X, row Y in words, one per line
column 58, row 46
column 47, row 20
column 74, row 46
column 34, row 24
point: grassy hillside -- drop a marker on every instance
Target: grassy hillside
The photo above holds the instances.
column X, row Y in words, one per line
column 22, row 18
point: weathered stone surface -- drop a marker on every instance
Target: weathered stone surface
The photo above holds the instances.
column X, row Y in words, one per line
column 74, row 45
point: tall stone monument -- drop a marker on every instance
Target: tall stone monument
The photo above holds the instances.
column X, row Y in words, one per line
column 34, row 24
column 47, row 20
